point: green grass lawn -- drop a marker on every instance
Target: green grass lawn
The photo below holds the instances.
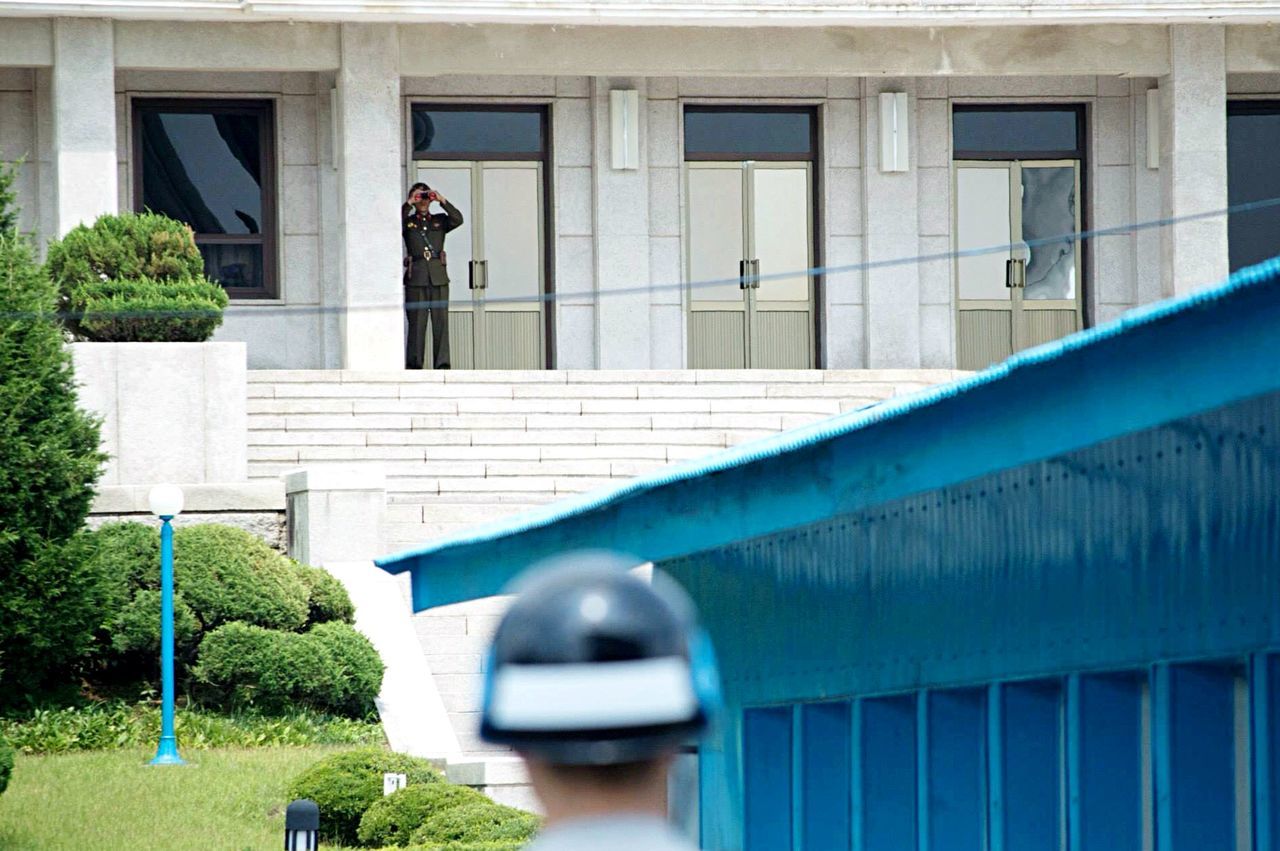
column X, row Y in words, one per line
column 226, row 800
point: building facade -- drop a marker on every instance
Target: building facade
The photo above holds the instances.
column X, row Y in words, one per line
column 833, row 185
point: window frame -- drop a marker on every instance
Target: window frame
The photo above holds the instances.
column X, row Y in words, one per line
column 1076, row 153
column 542, row 110
column 265, row 111
column 808, row 110
column 1236, row 106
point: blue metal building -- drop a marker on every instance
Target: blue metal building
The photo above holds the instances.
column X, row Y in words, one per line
column 1035, row 609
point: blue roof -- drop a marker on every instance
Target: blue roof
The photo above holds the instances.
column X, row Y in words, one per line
column 1154, row 365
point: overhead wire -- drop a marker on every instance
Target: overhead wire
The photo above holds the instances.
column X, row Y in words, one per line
column 595, row 295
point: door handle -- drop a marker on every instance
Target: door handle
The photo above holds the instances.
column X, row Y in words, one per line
column 1015, row 273
column 478, row 274
column 755, row 274
column 743, row 279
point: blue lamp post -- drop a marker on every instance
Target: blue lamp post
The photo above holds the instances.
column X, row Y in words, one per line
column 166, row 503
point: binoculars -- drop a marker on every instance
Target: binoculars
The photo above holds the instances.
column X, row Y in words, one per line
column 429, row 195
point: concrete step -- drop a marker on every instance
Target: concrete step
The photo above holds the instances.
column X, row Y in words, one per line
column 461, row 448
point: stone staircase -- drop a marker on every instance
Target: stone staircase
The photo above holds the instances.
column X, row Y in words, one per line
column 465, row 447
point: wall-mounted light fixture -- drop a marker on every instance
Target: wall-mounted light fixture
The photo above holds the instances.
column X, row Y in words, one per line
column 894, row 131
column 624, row 126
column 1153, row 128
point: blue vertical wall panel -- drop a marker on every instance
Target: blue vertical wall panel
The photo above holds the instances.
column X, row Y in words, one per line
column 767, row 789
column 1265, row 703
column 1031, row 765
column 1105, row 722
column 825, row 774
column 887, row 742
column 1195, row 758
column 957, row 770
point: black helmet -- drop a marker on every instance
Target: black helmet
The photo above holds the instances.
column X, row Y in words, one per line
column 592, row 665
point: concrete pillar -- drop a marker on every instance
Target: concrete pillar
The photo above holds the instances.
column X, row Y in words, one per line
column 1193, row 158
column 892, row 233
column 336, row 513
column 84, row 121
column 370, row 191
column 621, row 239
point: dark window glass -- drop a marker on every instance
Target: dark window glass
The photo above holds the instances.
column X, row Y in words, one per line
column 1253, row 174
column 209, row 164
column 747, row 133
column 472, row 132
column 204, row 170
column 234, row 265
column 1015, row 131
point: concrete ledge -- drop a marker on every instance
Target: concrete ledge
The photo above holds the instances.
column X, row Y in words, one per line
column 488, row 771
column 335, row 478
column 240, row 497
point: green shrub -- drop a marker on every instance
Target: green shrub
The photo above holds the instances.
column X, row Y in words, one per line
column 117, row 725
column 345, row 785
column 393, row 819
column 356, row 668
column 227, row 574
column 327, row 600
column 147, row 311
column 49, row 462
column 6, row 765
column 136, row 629
column 482, row 821
column 8, row 199
column 331, row 668
column 135, row 277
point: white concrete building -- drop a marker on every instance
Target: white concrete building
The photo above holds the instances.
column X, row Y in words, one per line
column 607, row 155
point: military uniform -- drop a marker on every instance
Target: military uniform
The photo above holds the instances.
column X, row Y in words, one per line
column 426, row 278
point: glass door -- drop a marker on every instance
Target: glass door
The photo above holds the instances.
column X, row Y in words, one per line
column 717, row 231
column 749, row 223
column 496, row 261
column 780, row 247
column 1027, row 291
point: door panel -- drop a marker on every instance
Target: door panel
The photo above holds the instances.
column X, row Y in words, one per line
column 512, row 235
column 1048, row 215
column 500, row 325
column 1030, row 209
column 716, row 234
column 780, row 234
column 454, row 180
column 983, row 220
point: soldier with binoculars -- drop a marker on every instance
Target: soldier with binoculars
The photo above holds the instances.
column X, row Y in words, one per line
column 426, row 273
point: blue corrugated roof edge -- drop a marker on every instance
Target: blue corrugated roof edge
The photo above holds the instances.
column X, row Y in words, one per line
column 1262, row 274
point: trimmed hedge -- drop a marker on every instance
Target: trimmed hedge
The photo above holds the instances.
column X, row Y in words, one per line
column 470, row 846
column 146, row 310
column 135, row 277
column 393, row 819
column 227, row 574
column 327, row 600
column 482, row 821
column 347, row 784
column 331, row 668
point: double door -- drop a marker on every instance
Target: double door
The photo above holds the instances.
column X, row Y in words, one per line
column 496, row 262
column 1027, row 291
column 750, row 248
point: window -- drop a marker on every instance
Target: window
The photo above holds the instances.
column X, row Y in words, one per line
column 478, row 133
column 734, row 132
column 211, row 164
column 1022, row 131
column 1253, row 135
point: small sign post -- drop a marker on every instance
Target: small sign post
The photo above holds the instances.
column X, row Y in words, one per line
column 392, row 782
